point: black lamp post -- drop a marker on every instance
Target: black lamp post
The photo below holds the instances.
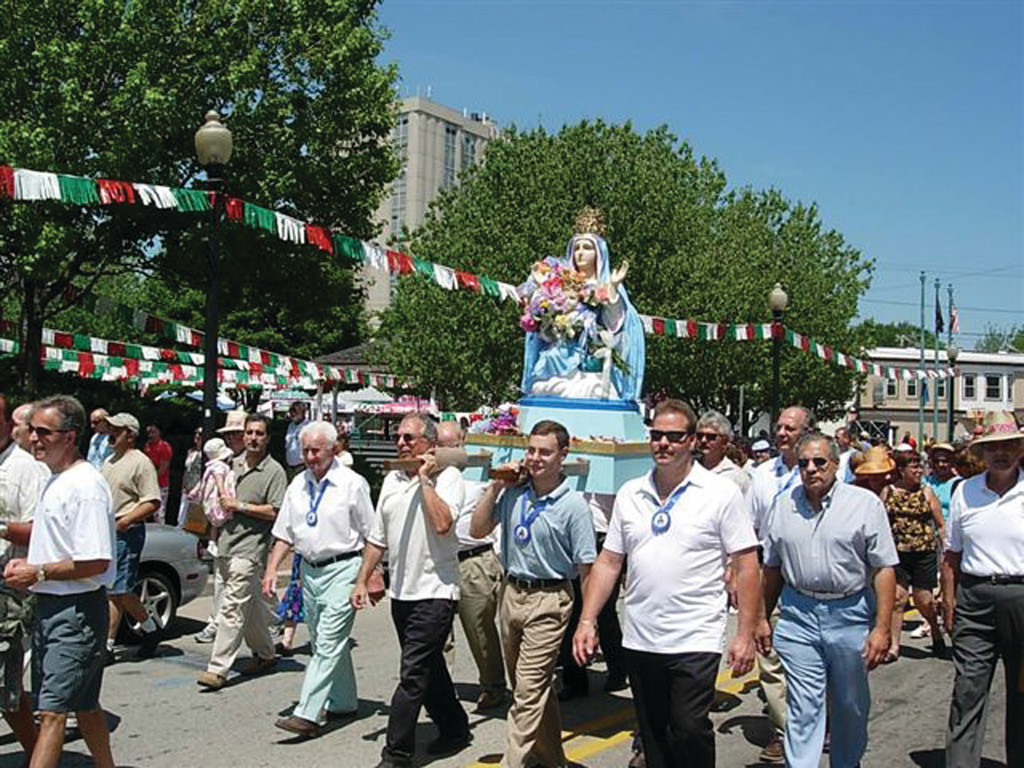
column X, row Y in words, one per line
column 777, row 301
column 952, row 353
column 213, row 146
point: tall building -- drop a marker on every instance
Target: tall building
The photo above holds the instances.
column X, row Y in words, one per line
column 436, row 143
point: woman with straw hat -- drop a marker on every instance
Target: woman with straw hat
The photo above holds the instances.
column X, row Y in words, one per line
column 874, row 471
column 984, row 592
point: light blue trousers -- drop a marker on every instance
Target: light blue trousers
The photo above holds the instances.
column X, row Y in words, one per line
column 820, row 643
column 330, row 681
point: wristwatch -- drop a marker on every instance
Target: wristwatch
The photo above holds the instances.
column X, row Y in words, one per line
column 41, row 574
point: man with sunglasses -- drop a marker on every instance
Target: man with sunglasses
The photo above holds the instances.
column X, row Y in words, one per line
column 826, row 544
column 678, row 526
column 547, row 537
column 415, row 523
column 69, row 567
column 714, row 433
column 770, row 480
column 242, row 548
column 325, row 518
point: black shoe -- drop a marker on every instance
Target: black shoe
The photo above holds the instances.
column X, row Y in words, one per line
column 939, row 648
column 148, row 646
column 109, row 657
column 449, row 745
column 616, row 683
column 388, row 760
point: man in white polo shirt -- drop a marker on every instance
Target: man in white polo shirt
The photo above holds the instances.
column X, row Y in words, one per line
column 415, row 523
column 326, row 516
column 679, row 526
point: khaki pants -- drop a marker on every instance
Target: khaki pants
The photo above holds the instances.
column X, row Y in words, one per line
column 481, row 583
column 533, row 622
column 243, row 614
column 773, row 683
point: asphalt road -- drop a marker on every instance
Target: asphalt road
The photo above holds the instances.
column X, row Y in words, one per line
column 159, row 717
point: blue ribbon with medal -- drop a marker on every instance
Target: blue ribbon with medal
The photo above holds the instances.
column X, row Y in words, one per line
column 521, row 533
column 661, row 521
column 311, row 516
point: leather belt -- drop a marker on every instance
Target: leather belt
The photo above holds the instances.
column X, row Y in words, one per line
column 825, row 595
column 971, row 579
column 331, row 560
column 536, row 583
column 474, row 552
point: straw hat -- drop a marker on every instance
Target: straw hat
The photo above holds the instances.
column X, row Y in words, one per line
column 876, row 462
column 998, row 425
column 235, row 422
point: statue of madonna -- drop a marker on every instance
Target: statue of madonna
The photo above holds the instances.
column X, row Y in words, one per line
column 584, row 338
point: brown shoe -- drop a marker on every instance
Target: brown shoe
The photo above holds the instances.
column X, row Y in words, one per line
column 490, row 699
column 211, row 680
column 774, row 752
column 257, row 666
column 299, row 725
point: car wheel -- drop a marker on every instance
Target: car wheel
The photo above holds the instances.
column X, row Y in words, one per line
column 160, row 598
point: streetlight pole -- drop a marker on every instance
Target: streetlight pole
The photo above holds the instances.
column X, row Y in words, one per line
column 213, row 146
column 952, row 353
column 777, row 301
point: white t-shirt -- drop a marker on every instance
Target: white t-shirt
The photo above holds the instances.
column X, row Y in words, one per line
column 675, row 597
column 343, row 516
column 74, row 521
column 422, row 565
column 601, row 505
column 474, row 491
column 770, row 480
column 21, row 480
column 988, row 529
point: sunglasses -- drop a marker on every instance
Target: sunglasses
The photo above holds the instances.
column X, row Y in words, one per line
column 673, row 435
column 406, row 437
column 44, row 431
column 712, row 436
column 819, row 461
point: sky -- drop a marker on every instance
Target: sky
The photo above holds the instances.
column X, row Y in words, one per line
column 902, row 121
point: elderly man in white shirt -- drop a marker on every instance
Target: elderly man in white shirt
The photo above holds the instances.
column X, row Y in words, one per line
column 714, row 432
column 325, row 517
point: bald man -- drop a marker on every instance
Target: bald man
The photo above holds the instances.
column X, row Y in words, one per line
column 481, row 574
column 100, row 444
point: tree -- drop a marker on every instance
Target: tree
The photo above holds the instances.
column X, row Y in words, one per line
column 903, row 334
column 116, row 90
column 694, row 249
column 996, row 339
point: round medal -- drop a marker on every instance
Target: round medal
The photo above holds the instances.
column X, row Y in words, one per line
column 311, row 518
column 660, row 522
column 522, row 534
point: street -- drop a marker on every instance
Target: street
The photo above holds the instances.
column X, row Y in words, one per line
column 159, row 717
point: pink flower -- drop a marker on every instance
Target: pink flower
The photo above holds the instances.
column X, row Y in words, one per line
column 528, row 323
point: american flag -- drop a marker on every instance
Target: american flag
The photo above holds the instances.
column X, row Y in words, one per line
column 954, row 320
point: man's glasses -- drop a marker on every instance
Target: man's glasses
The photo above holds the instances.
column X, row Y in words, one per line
column 711, row 436
column 43, row 431
column 819, row 461
column 406, row 437
column 673, row 435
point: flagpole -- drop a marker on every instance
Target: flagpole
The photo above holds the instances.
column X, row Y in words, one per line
column 920, row 387
column 951, row 381
column 935, row 365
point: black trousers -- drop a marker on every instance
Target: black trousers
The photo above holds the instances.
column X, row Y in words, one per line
column 609, row 633
column 422, row 626
column 673, row 694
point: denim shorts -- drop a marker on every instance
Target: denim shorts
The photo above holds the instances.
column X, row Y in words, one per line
column 129, row 552
column 68, row 642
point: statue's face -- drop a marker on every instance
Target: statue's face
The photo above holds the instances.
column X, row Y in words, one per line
column 584, row 255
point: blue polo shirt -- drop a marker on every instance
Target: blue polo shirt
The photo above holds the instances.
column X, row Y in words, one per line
column 561, row 534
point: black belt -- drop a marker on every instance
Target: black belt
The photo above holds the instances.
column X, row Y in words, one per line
column 474, row 552
column 536, row 583
column 331, row 560
column 970, row 579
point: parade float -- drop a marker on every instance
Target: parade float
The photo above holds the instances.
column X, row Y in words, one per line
column 583, row 365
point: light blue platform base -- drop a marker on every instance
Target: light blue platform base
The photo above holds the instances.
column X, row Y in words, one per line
column 609, row 465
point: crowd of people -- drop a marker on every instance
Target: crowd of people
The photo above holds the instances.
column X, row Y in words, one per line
column 815, row 543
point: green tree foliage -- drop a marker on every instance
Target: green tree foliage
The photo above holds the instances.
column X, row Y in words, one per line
column 114, row 89
column 694, row 249
column 903, row 334
column 996, row 339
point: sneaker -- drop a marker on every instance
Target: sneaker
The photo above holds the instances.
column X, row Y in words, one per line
column 211, row 681
column 922, row 631
column 257, row 666
column 490, row 699
column 449, row 745
column 207, row 635
column 773, row 752
column 299, row 725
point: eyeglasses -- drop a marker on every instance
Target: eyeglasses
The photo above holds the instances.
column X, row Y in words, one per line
column 819, row 461
column 43, row 431
column 673, row 435
column 407, row 437
column 707, row 436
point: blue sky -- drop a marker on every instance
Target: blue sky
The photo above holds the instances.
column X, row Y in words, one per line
column 903, row 121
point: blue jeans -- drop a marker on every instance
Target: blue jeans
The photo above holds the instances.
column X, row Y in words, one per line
column 820, row 643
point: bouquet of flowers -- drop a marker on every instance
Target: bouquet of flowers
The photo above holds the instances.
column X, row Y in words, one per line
column 555, row 299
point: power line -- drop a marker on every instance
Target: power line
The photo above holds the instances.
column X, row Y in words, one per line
column 915, row 304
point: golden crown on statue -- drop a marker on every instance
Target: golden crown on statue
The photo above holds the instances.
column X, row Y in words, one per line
column 590, row 221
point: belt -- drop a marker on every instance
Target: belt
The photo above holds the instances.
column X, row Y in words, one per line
column 331, row 560
column 971, row 579
column 536, row 583
column 825, row 595
column 474, row 552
